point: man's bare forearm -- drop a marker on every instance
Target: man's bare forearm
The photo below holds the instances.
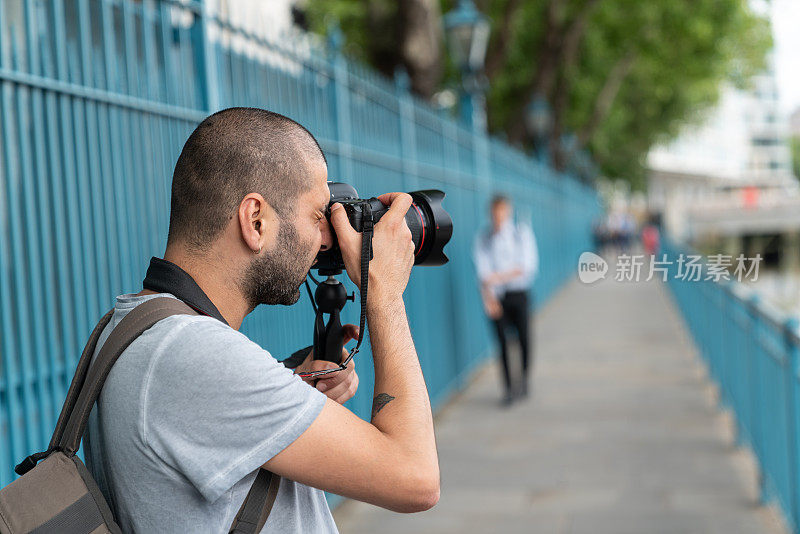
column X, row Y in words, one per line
column 401, row 407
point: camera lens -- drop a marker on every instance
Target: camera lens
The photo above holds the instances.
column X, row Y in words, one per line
column 431, row 227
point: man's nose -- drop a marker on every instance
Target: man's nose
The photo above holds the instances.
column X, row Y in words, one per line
column 327, row 235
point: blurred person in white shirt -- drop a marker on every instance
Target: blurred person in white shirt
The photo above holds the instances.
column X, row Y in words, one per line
column 507, row 262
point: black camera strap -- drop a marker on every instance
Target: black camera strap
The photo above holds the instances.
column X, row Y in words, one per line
column 166, row 277
column 366, row 249
column 367, row 230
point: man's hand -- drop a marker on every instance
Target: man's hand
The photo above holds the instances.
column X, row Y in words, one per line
column 491, row 304
column 492, row 307
column 392, row 248
column 340, row 386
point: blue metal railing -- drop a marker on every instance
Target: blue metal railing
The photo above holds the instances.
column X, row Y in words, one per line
column 751, row 352
column 96, row 100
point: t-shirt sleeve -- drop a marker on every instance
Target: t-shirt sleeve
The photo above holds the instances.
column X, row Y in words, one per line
column 217, row 405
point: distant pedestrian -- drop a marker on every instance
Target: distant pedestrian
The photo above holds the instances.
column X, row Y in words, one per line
column 650, row 239
column 507, row 261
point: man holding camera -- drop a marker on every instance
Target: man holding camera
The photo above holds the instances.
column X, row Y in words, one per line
column 193, row 408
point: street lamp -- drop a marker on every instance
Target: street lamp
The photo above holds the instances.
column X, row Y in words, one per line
column 467, row 37
column 538, row 121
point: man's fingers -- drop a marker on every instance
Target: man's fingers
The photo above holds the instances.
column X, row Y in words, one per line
column 349, row 392
column 330, row 389
column 341, row 224
column 350, row 332
column 321, row 365
column 398, row 205
column 345, row 386
column 330, row 381
column 388, row 198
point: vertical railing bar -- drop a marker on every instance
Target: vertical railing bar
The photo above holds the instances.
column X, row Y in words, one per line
column 26, row 353
column 131, row 52
column 145, row 175
column 223, row 92
column 241, row 78
column 156, row 216
column 40, row 274
column 310, row 107
column 10, row 348
column 32, row 363
column 162, row 175
column 66, row 292
column 95, row 187
column 166, row 46
column 791, row 326
column 184, row 52
column 253, row 70
column 114, row 152
column 169, row 136
column 343, row 113
column 79, row 299
column 210, row 74
column 112, row 198
column 112, row 213
column 141, row 145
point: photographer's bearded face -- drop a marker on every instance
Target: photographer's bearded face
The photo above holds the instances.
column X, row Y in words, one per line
column 274, row 276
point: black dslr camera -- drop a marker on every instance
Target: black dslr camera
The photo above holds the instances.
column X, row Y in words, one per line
column 430, row 225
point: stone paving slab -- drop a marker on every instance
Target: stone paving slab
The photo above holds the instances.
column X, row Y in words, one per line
column 622, row 435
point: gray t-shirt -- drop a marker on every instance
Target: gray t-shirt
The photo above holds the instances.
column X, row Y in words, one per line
column 188, row 414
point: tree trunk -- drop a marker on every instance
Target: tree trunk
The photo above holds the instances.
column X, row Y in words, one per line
column 541, row 84
column 421, row 44
column 606, row 96
column 498, row 49
column 561, row 94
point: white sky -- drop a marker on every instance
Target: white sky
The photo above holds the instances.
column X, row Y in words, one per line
column 786, row 33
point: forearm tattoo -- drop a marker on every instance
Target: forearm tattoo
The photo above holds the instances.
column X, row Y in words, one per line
column 380, row 400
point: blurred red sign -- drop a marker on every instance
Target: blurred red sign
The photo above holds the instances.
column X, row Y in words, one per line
column 750, row 196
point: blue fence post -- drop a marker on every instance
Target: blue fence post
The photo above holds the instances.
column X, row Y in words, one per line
column 723, row 332
column 408, row 139
column 342, row 104
column 754, row 382
column 790, row 329
column 206, row 60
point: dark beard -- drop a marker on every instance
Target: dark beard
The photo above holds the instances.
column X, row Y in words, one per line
column 275, row 276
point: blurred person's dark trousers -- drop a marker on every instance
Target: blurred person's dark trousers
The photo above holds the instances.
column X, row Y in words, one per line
column 516, row 315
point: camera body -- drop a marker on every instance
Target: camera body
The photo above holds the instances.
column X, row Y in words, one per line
column 430, row 225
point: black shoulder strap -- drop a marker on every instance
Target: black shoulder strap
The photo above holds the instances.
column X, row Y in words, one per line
column 72, row 396
column 78, row 379
column 257, row 504
column 132, row 325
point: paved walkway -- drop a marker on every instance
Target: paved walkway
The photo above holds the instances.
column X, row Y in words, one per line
column 622, row 435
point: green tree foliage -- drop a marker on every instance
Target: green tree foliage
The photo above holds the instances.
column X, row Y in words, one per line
column 619, row 75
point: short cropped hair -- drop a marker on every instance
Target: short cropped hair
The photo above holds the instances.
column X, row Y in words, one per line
column 499, row 199
column 231, row 153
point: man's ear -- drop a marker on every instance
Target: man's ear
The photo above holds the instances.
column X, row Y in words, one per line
column 258, row 223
